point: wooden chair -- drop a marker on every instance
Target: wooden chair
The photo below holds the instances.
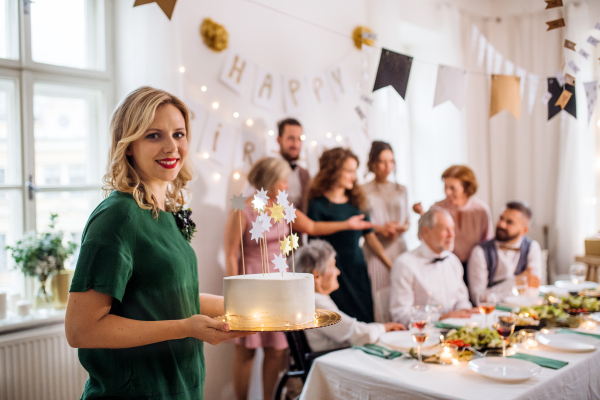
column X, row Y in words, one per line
column 302, row 359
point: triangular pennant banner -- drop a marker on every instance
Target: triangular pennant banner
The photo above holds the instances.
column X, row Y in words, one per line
column 557, row 23
column 506, row 95
column 556, row 90
column 533, row 81
column 584, row 54
column 394, row 69
column 553, row 4
column 591, row 88
column 451, row 86
column 167, row 6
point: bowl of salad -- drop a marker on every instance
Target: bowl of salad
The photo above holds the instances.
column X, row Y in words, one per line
column 478, row 338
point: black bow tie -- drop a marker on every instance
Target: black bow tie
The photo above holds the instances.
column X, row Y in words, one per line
column 293, row 165
column 437, row 259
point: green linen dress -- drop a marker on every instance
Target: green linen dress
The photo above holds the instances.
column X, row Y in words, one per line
column 354, row 295
column 151, row 272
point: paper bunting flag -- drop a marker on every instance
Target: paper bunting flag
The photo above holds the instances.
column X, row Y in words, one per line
column 279, row 262
column 498, row 62
column 584, row 54
column 574, row 66
column 570, row 45
column 506, row 95
column 597, row 26
column 360, row 113
column 553, row 4
column 557, row 23
column 265, row 222
column 294, row 241
column 367, row 99
column 394, row 70
column 238, row 202
column 284, row 246
column 563, row 99
column 521, row 73
column 481, row 50
column 509, row 68
column 276, row 212
column 290, row 213
column 557, row 91
column 570, row 79
column 593, row 41
column 591, row 89
column 167, row 6
column 560, row 78
column 451, row 86
column 533, row 83
column 490, row 54
column 256, row 231
column 546, row 97
column 282, row 198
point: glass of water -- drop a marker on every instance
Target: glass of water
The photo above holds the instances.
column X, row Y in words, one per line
column 577, row 273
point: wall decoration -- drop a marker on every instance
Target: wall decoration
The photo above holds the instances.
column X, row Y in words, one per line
column 563, row 99
column 591, row 90
column 167, row 6
column 506, row 95
column 217, row 139
column 570, row 45
column 250, row 148
column 570, row 79
column 214, row 35
column 267, row 89
column 593, row 41
column 337, row 80
column 236, row 72
column 451, row 86
column 584, row 54
column 553, row 4
column 294, row 94
column 393, row 70
column 534, row 81
column 361, row 35
column 556, row 90
column 557, row 23
column 573, row 66
column 318, row 89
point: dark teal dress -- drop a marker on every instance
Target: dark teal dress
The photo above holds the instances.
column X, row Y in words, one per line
column 354, row 295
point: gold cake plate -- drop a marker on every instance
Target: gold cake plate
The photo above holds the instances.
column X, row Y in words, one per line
column 323, row 318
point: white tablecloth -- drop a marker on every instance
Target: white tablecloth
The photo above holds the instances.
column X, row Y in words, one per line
column 352, row 374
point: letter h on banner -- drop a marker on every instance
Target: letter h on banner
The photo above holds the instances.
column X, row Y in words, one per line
column 236, row 71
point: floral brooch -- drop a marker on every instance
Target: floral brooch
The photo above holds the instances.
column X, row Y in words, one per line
column 186, row 226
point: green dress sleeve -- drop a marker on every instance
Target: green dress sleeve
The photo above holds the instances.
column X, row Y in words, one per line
column 367, row 218
column 105, row 261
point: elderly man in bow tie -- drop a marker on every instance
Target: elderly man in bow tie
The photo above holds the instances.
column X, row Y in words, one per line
column 430, row 274
column 494, row 265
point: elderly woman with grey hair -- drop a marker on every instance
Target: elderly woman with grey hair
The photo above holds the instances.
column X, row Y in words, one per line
column 318, row 258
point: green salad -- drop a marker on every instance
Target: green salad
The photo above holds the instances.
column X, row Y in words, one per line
column 474, row 337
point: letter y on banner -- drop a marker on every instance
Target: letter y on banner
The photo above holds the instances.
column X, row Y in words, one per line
column 236, row 72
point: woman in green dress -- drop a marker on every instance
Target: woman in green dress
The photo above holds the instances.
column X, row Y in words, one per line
column 135, row 312
column 335, row 196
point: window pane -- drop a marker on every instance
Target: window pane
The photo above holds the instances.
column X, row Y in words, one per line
column 11, row 230
column 66, row 136
column 10, row 140
column 73, row 209
column 9, row 29
column 68, row 33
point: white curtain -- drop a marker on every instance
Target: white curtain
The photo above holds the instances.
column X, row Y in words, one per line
column 548, row 164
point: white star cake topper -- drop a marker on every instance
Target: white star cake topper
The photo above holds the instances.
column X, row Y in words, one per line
column 280, row 264
column 282, row 198
column 256, row 231
column 265, row 221
column 290, row 213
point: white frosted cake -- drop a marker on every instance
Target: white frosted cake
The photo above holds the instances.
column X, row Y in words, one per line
column 269, row 300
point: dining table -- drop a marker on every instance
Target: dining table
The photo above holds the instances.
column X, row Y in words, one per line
column 354, row 374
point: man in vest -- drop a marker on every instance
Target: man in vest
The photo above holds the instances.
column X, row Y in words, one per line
column 290, row 145
column 493, row 265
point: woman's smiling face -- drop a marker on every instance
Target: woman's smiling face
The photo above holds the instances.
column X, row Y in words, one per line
column 159, row 154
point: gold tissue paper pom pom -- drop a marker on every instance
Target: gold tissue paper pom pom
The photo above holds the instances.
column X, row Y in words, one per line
column 358, row 39
column 214, row 35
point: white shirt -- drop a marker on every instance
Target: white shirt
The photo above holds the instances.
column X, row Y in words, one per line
column 349, row 331
column 415, row 277
column 507, row 264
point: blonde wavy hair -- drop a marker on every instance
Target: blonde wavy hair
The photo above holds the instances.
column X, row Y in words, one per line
column 267, row 172
column 130, row 120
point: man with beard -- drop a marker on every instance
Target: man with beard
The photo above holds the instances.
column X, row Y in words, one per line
column 290, row 145
column 493, row 265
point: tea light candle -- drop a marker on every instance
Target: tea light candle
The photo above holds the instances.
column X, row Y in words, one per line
column 588, row 324
column 448, row 356
column 530, row 343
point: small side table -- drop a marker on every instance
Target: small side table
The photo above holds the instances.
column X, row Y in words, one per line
column 592, row 263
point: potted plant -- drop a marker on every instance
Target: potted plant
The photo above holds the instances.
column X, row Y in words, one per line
column 41, row 255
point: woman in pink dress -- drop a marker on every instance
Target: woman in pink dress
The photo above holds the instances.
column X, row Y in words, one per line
column 271, row 174
column 472, row 217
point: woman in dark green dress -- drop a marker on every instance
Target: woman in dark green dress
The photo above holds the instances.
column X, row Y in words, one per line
column 335, row 196
column 135, row 311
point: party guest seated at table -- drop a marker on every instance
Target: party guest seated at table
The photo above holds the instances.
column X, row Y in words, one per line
column 494, row 265
column 430, row 274
column 318, row 258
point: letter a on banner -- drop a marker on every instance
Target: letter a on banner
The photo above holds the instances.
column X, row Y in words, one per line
column 267, row 89
column 216, row 140
column 294, row 93
column 236, row 72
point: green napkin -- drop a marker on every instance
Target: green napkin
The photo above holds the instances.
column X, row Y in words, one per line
column 580, row 333
column 541, row 361
column 442, row 325
column 378, row 351
column 504, row 308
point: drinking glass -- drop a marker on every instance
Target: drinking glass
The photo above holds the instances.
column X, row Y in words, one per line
column 521, row 285
column 577, row 273
column 434, row 310
column 487, row 304
column 505, row 327
column 420, row 325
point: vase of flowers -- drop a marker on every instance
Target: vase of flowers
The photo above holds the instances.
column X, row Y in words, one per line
column 40, row 255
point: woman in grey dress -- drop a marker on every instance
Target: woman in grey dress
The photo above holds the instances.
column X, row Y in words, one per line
column 388, row 208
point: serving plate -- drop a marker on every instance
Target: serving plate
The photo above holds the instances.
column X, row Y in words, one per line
column 571, row 287
column 402, row 340
column 507, row 370
column 569, row 342
column 522, row 301
column 322, row 319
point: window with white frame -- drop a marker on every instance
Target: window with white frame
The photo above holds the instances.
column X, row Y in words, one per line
column 55, row 91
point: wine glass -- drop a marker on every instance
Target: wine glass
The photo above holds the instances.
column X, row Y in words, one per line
column 486, row 303
column 505, row 327
column 577, row 273
column 420, row 325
